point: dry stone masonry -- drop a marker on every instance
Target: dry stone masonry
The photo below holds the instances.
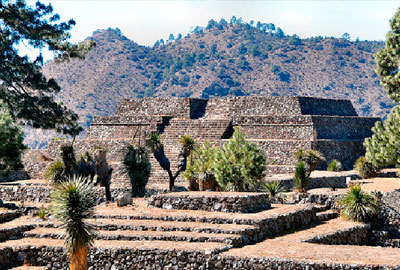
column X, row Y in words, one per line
column 279, row 125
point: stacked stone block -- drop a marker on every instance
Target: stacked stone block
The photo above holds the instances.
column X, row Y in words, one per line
column 279, row 125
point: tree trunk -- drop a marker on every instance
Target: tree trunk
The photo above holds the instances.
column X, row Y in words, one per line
column 79, row 259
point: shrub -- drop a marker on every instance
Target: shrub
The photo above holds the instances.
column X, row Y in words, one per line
column 239, row 165
column 68, row 158
column 42, row 213
column 55, row 172
column 274, row 188
column 137, row 164
column 357, row 205
column 365, row 168
column 301, row 177
column 200, row 169
column 11, row 138
column 311, row 157
column 335, row 166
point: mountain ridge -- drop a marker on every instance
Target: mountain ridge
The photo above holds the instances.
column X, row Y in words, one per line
column 220, row 60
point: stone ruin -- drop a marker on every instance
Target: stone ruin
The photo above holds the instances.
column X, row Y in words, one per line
column 279, row 125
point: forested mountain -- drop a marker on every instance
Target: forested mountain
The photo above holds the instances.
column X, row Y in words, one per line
column 221, row 59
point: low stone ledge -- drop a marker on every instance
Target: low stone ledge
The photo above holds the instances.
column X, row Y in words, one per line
column 9, row 215
column 357, row 235
column 224, row 262
column 212, row 201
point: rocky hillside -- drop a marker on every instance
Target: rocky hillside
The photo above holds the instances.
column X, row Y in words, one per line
column 223, row 59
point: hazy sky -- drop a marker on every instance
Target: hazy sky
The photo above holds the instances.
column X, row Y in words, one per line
column 146, row 21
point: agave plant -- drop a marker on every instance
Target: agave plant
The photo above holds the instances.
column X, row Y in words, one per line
column 72, row 202
column 358, row 205
column 274, row 188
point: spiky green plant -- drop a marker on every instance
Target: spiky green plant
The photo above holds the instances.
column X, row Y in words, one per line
column 358, row 205
column 274, row 188
column 55, row 172
column 154, row 142
column 335, row 166
column 200, row 168
column 72, row 203
column 365, row 168
column 137, row 164
column 239, row 165
column 187, row 143
column 313, row 158
column 301, row 179
column 42, row 213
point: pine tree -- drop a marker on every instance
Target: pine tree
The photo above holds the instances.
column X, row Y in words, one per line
column 11, row 138
column 383, row 149
column 239, row 165
column 28, row 94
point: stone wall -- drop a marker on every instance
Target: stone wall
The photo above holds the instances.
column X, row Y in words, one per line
column 343, row 128
column 279, row 125
column 212, row 201
column 6, row 176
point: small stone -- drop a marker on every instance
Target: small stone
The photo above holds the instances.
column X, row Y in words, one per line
column 124, row 200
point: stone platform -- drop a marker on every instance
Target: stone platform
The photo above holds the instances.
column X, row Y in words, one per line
column 212, row 201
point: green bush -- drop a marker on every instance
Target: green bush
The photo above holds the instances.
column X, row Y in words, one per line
column 365, row 168
column 200, row 169
column 335, row 166
column 55, row 172
column 42, row 213
column 301, row 177
column 11, row 138
column 239, row 165
column 137, row 164
column 357, row 205
column 312, row 158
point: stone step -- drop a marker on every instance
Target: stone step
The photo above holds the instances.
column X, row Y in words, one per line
column 230, row 239
column 326, row 215
column 8, row 215
column 159, row 225
column 321, row 207
column 29, row 267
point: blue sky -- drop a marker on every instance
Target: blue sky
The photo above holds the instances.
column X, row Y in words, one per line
column 145, row 21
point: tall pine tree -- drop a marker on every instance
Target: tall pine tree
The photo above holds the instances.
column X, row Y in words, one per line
column 383, row 148
column 27, row 93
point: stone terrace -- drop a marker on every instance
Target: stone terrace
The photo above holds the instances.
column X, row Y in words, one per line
column 279, row 125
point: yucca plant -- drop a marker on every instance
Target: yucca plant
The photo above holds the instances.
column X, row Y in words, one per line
column 365, row 168
column 137, row 164
column 312, row 158
column 72, row 203
column 301, row 177
column 335, row 166
column 200, row 168
column 187, row 143
column 55, row 172
column 358, row 205
column 274, row 188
